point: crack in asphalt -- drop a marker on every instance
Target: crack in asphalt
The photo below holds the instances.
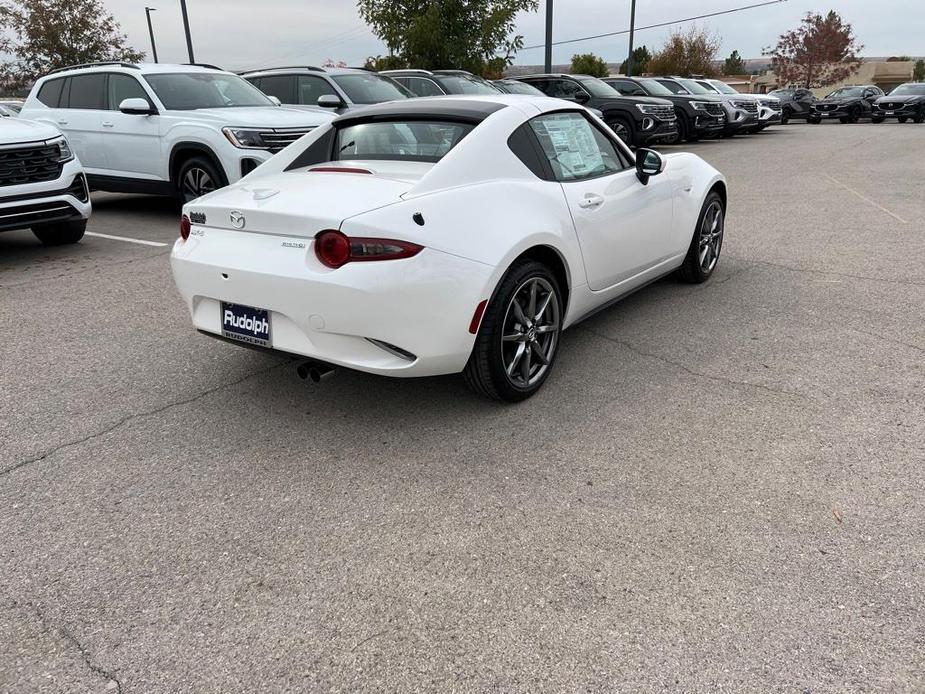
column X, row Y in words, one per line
column 889, row 340
column 906, row 283
column 688, row 370
column 73, row 641
column 139, row 415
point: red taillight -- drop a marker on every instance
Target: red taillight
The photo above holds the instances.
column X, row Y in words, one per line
column 335, row 249
column 185, row 227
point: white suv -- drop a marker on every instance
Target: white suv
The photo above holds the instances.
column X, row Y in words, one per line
column 42, row 185
column 166, row 129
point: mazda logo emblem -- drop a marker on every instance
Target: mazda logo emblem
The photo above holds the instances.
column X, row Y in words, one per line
column 237, row 220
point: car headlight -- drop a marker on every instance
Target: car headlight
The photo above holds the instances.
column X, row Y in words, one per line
column 245, row 139
column 700, row 105
column 650, row 108
column 65, row 153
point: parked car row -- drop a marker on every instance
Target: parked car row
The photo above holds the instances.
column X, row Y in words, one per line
column 853, row 103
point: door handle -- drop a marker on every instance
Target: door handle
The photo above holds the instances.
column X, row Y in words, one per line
column 107, row 124
column 590, row 201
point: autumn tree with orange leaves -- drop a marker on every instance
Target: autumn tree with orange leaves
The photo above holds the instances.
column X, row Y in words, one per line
column 820, row 52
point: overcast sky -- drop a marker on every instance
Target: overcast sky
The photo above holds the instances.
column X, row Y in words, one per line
column 238, row 34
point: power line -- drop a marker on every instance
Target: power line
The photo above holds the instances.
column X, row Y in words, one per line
column 656, row 26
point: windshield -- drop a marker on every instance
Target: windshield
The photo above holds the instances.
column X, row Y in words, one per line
column 597, row 88
column 399, row 140
column 187, row 91
column 722, row 87
column 371, row 88
column 846, row 92
column 465, row 84
column 655, row 88
column 515, row 87
column 694, row 88
column 905, row 89
column 781, row 93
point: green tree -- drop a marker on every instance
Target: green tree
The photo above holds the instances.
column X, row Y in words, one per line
column 734, row 64
column 589, row 64
column 918, row 73
column 641, row 58
column 691, row 52
column 42, row 35
column 473, row 35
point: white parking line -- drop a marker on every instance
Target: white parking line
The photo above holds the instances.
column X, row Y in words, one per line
column 866, row 199
column 124, row 238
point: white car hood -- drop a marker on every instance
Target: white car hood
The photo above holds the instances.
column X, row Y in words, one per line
column 263, row 117
column 15, row 130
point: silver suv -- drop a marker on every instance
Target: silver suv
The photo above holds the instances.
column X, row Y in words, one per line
column 335, row 88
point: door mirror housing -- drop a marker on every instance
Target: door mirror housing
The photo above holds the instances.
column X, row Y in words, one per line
column 137, row 106
column 582, row 98
column 275, row 100
column 329, row 101
column 648, row 163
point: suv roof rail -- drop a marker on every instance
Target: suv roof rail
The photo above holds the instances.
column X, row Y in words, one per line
column 453, row 72
column 313, row 68
column 415, row 71
column 206, row 65
column 100, row 63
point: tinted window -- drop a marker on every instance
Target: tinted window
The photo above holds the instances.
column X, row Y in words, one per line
column 907, row 89
column 423, row 87
column 694, row 88
column 515, row 87
column 627, row 87
column 673, row 86
column 186, row 91
column 655, row 88
column 50, row 92
column 564, row 89
column 280, row 86
column 598, row 88
column 370, row 88
column 399, row 140
column 122, row 87
column 465, row 84
column 575, row 148
column 311, row 88
column 847, row 92
column 87, row 91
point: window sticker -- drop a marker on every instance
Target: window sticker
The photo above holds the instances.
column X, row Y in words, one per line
column 572, row 142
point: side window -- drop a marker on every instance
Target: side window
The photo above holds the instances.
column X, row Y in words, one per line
column 50, row 93
column 542, row 85
column 627, row 87
column 310, row 88
column 564, row 89
column 673, row 86
column 87, row 91
column 424, row 87
column 575, row 148
column 280, row 86
column 122, row 87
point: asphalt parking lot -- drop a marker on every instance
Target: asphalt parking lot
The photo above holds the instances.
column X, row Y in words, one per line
column 719, row 489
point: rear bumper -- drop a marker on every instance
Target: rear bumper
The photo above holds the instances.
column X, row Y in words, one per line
column 422, row 305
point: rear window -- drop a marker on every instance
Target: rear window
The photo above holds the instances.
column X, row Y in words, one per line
column 399, row 140
column 87, row 91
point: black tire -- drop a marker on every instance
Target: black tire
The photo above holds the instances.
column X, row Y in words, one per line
column 903, row 119
column 196, row 177
column 854, row 115
column 876, row 119
column 486, row 371
column 60, row 233
column 686, row 130
column 919, row 115
column 623, row 129
column 785, row 116
column 814, row 120
column 694, row 269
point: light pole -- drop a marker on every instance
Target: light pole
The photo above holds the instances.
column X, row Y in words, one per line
column 148, row 11
column 189, row 40
column 629, row 60
column 547, row 65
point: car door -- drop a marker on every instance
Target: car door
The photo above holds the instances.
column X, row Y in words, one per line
column 623, row 226
column 79, row 116
column 132, row 142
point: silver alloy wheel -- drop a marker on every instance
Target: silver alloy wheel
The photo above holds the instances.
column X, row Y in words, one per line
column 711, row 236
column 530, row 332
column 196, row 183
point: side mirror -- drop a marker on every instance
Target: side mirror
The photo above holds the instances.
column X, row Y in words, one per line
column 329, row 101
column 582, row 98
column 648, row 163
column 275, row 100
column 137, row 107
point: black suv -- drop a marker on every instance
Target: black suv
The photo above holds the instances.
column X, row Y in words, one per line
column 849, row 104
column 905, row 102
column 796, row 104
column 698, row 116
column 440, row 82
column 637, row 120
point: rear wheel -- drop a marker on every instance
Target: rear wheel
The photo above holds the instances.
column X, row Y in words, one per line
column 60, row 233
column 623, row 129
column 919, row 115
column 707, row 242
column 854, row 115
column 196, row 177
column 518, row 340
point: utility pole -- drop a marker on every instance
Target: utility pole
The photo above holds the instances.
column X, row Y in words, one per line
column 148, row 11
column 189, row 40
column 547, row 65
column 629, row 60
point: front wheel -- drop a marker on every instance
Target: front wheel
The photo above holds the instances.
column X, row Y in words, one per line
column 197, row 177
column 785, row 116
column 623, row 129
column 903, row 119
column 60, row 233
column 876, row 119
column 517, row 342
column 814, row 120
column 919, row 115
column 703, row 253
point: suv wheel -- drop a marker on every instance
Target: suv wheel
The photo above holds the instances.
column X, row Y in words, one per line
column 196, row 177
column 623, row 129
column 60, row 233
column 919, row 115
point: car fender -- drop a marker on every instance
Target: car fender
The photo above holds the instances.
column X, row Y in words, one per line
column 202, row 136
column 692, row 179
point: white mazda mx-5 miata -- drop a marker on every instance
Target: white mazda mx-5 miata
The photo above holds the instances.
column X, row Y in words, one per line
column 444, row 235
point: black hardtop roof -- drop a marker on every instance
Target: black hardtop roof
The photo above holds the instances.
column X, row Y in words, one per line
column 469, row 110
